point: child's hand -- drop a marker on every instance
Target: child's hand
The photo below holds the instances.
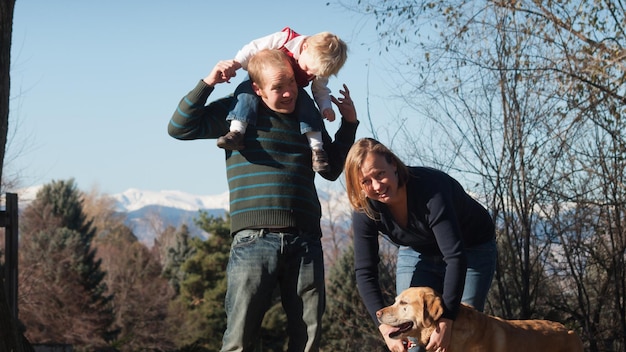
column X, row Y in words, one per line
column 329, row 114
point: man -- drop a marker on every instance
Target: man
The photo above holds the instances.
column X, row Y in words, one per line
column 274, row 208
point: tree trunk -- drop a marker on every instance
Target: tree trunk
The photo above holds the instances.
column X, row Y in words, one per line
column 10, row 339
column 6, row 31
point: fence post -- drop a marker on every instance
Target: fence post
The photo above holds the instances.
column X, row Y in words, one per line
column 8, row 220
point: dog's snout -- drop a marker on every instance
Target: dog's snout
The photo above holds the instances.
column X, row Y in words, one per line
column 379, row 313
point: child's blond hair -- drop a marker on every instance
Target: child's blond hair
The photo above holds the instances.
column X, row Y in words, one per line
column 328, row 51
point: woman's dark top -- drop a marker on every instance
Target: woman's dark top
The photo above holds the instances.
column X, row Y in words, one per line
column 443, row 219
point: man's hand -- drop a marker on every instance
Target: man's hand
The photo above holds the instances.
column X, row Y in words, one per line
column 345, row 105
column 329, row 114
column 222, row 72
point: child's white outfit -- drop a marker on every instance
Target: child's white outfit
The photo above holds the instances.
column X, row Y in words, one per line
column 245, row 110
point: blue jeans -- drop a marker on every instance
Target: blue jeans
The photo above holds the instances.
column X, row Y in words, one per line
column 416, row 269
column 247, row 105
column 261, row 260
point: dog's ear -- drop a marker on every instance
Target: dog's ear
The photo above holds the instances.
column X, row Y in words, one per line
column 432, row 310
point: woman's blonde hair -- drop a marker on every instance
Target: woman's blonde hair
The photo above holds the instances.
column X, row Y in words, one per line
column 328, row 51
column 357, row 154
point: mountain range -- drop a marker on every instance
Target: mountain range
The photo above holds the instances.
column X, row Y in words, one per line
column 150, row 212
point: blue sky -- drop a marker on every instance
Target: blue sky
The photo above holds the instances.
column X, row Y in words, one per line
column 94, row 83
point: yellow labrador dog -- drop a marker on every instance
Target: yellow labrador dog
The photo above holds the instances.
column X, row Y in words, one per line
column 416, row 310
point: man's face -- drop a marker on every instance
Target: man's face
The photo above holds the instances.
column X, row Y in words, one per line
column 278, row 89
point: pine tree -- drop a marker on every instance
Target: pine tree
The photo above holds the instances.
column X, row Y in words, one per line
column 347, row 324
column 203, row 289
column 63, row 297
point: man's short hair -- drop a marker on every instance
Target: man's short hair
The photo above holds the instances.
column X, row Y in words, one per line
column 264, row 59
column 328, row 51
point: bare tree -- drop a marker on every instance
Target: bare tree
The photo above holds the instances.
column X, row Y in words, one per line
column 525, row 100
column 335, row 224
column 140, row 295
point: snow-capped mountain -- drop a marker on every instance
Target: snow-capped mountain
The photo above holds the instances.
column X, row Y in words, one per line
column 135, row 199
column 150, row 212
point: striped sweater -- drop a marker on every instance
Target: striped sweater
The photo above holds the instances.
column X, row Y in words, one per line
column 271, row 182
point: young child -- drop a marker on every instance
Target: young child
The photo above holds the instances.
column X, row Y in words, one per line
column 314, row 59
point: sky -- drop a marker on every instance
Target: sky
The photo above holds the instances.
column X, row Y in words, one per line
column 94, row 84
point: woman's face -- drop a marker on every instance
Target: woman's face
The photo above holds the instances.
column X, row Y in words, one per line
column 379, row 180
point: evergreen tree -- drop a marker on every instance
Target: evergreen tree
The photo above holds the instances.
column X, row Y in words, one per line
column 198, row 316
column 347, row 324
column 203, row 289
column 64, row 297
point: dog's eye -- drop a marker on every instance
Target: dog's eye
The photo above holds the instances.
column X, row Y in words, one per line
column 402, row 303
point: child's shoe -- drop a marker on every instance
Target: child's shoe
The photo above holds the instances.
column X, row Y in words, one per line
column 232, row 140
column 320, row 160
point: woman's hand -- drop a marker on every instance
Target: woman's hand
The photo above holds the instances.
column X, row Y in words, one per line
column 440, row 338
column 394, row 345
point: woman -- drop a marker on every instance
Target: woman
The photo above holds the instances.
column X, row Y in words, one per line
column 446, row 238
